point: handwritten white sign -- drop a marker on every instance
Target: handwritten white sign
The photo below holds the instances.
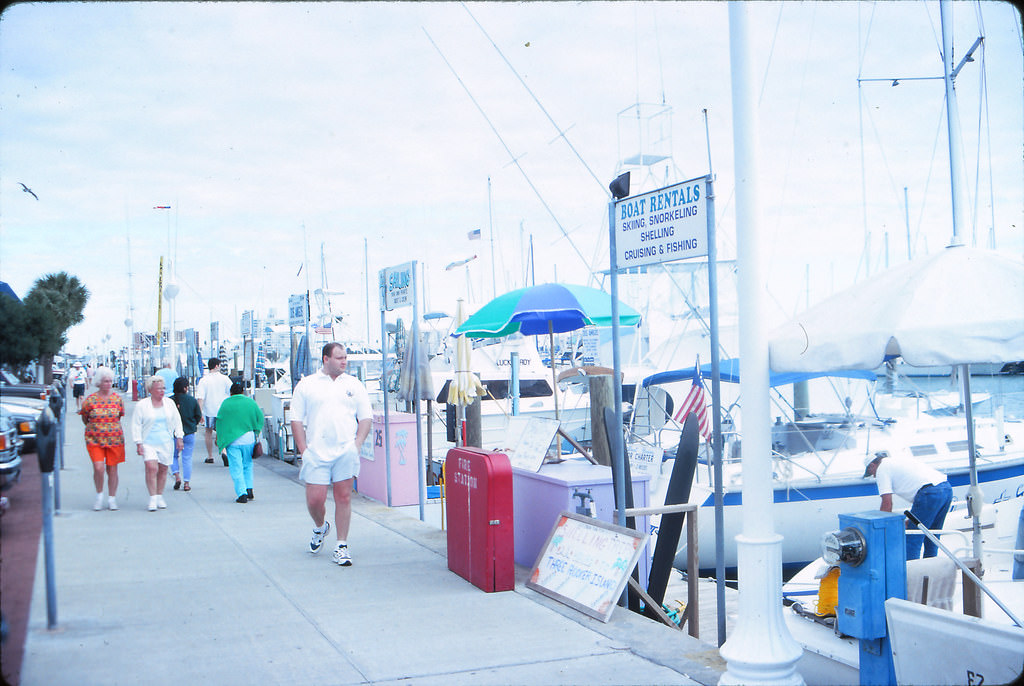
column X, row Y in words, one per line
column 527, row 440
column 585, row 563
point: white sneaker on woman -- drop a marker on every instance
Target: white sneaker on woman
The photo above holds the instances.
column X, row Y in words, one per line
column 161, row 503
column 112, row 503
column 152, row 503
column 98, row 505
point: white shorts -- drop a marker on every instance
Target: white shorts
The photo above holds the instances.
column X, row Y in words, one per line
column 323, row 473
column 164, row 454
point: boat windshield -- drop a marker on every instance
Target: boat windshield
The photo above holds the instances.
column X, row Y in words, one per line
column 498, row 389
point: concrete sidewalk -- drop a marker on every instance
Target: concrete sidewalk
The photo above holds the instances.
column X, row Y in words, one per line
column 209, row 591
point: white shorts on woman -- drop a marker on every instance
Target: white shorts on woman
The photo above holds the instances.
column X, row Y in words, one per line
column 164, row 454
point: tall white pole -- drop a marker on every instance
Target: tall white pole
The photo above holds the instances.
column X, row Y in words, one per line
column 490, row 221
column 974, row 494
column 130, row 321
column 366, row 271
column 952, row 123
column 760, row 650
column 170, row 292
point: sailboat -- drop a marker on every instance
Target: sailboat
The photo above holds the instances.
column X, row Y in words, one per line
column 818, row 457
column 939, row 644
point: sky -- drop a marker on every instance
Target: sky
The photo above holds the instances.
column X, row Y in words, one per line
column 297, row 144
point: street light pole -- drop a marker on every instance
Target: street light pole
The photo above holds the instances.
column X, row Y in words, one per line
column 170, row 291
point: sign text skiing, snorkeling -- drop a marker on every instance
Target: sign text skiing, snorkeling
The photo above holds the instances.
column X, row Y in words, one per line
column 663, row 225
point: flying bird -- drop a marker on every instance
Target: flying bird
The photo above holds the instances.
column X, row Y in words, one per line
column 28, row 190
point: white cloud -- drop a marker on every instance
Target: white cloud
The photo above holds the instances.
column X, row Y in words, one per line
column 256, row 120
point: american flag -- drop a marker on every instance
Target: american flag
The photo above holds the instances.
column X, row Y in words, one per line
column 696, row 401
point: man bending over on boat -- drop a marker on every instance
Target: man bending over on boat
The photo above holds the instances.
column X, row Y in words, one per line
column 917, row 483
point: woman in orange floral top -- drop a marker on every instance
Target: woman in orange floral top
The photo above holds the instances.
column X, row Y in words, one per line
column 104, row 438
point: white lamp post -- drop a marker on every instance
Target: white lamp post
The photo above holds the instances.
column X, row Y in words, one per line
column 131, row 356
column 170, row 291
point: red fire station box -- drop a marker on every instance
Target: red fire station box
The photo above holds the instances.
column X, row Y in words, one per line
column 481, row 538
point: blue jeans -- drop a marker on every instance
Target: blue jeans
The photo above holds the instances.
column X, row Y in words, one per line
column 240, row 466
column 1018, row 560
column 186, row 458
column 930, row 506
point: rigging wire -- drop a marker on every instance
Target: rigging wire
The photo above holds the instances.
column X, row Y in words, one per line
column 657, row 51
column 936, row 139
column 983, row 116
column 988, row 143
column 991, row 239
column 776, row 244
column 636, row 63
column 863, row 186
column 977, row 161
column 515, row 160
column 771, row 53
column 862, row 42
column 561, row 132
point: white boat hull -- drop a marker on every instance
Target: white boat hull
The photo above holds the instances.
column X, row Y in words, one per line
column 985, row 652
column 804, row 511
column 934, row 644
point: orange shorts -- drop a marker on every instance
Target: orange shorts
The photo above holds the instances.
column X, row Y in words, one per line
column 107, row 454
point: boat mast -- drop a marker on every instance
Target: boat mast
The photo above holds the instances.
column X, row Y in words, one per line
column 953, row 120
column 949, row 72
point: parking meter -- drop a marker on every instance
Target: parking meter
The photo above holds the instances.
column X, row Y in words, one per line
column 46, row 440
column 870, row 550
column 56, row 405
column 47, row 435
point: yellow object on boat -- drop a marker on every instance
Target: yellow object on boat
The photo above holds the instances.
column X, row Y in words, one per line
column 828, row 594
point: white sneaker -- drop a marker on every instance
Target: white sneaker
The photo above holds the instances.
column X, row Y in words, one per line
column 152, row 503
column 112, row 503
column 98, row 505
column 317, row 541
column 161, row 503
column 341, row 556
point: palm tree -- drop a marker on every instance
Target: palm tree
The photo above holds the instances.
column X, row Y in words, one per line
column 17, row 346
column 57, row 300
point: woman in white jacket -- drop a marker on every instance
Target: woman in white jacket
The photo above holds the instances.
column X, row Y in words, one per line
column 156, row 429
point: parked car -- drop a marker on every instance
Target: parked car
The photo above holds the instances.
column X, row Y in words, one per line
column 10, row 452
column 12, row 386
column 24, row 412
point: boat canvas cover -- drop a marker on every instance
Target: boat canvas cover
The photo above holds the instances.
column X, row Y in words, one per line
column 959, row 306
column 729, row 371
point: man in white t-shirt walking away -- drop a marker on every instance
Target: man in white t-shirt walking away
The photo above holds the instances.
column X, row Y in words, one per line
column 331, row 417
column 78, row 379
column 213, row 389
column 924, row 487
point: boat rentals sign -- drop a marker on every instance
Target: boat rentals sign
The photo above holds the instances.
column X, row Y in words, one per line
column 662, row 226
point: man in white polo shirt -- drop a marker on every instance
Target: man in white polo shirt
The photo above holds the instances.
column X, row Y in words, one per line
column 213, row 389
column 925, row 488
column 330, row 419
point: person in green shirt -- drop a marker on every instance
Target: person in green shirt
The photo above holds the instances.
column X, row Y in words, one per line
column 239, row 422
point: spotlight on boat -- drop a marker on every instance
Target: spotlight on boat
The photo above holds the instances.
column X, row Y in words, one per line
column 620, row 186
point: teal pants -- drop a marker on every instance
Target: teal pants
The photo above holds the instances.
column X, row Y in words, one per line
column 240, row 467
